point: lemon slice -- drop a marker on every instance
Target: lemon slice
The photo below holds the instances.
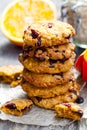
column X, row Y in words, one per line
column 19, row 14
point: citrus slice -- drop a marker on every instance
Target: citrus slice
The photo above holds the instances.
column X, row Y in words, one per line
column 19, row 14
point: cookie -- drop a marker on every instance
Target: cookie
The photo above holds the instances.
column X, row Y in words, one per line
column 54, row 52
column 50, row 103
column 48, row 33
column 51, row 66
column 47, row 80
column 68, row 110
column 11, row 74
column 17, row 107
column 33, row 91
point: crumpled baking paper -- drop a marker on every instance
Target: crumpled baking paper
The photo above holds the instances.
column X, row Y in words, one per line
column 36, row 116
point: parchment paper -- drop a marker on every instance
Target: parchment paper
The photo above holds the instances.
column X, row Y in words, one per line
column 36, row 116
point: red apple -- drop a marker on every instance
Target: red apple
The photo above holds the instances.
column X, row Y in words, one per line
column 81, row 65
column 84, row 66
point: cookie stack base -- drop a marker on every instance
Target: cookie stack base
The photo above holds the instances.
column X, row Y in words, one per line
column 49, row 97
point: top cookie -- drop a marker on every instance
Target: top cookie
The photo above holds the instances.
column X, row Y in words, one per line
column 48, row 33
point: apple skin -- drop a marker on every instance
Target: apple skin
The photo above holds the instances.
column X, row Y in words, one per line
column 78, row 63
column 84, row 66
column 81, row 65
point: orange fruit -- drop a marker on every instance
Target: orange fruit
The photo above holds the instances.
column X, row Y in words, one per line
column 19, row 14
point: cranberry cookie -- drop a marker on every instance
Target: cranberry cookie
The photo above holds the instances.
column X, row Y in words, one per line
column 50, row 103
column 54, row 52
column 17, row 107
column 47, row 80
column 33, row 91
column 11, row 74
column 51, row 66
column 68, row 110
column 48, row 33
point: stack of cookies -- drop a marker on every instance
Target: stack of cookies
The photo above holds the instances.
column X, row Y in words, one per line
column 48, row 58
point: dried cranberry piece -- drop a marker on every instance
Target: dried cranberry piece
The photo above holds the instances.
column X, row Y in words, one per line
column 41, row 58
column 55, row 46
column 63, row 51
column 56, row 50
column 73, row 91
column 63, row 61
column 67, row 105
column 26, row 51
column 49, row 25
column 11, row 106
column 61, row 74
column 52, row 63
column 25, row 57
column 53, row 74
column 39, row 53
column 26, row 108
column 70, row 96
column 70, row 80
column 51, row 66
column 25, row 31
column 27, row 48
column 34, row 34
column 38, row 42
column 49, row 47
column 43, row 49
column 79, row 100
